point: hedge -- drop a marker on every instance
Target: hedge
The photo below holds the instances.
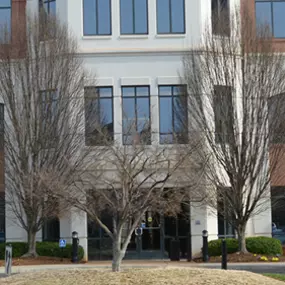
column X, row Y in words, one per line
column 257, row 245
column 43, row 249
column 264, row 245
column 215, row 246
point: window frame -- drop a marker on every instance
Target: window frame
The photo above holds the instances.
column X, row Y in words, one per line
column 96, row 34
column 135, row 97
column 134, row 24
column 271, row 2
column 170, row 20
column 96, row 88
column 173, row 117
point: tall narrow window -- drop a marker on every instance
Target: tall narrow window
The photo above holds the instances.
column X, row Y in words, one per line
column 170, row 16
column 49, row 118
column 220, row 17
column 173, row 115
column 96, row 17
column 136, row 115
column 223, row 110
column 47, row 11
column 276, row 119
column 5, row 20
column 2, row 127
column 2, row 216
column 99, row 125
column 134, row 17
column 271, row 13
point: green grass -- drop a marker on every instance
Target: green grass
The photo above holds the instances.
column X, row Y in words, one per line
column 276, row 276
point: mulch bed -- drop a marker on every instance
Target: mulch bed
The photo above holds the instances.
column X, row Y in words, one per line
column 239, row 257
column 38, row 261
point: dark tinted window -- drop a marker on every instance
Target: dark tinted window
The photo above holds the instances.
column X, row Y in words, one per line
column 220, row 17
column 136, row 115
column 223, row 110
column 99, row 126
column 173, row 115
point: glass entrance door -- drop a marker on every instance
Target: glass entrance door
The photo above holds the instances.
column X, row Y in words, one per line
column 177, row 228
column 151, row 232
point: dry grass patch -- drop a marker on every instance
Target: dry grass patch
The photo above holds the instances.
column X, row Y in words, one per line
column 169, row 276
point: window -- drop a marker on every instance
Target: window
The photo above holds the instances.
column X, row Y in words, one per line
column 47, row 11
column 48, row 7
column 271, row 13
column 173, row 115
column 223, row 111
column 5, row 18
column 276, row 119
column 220, row 17
column 99, row 125
column 96, row 17
column 136, row 115
column 49, row 118
column 134, row 17
column 1, row 127
column 170, row 16
column 2, row 216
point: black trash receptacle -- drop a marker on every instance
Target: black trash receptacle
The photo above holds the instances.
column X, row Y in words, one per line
column 175, row 250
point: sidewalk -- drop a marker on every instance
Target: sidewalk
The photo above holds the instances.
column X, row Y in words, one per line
column 148, row 264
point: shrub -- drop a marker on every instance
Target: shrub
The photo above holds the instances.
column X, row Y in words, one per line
column 215, row 246
column 18, row 249
column 256, row 245
column 43, row 249
column 264, row 245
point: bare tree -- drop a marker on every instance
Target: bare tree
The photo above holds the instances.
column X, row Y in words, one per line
column 42, row 80
column 129, row 179
column 230, row 79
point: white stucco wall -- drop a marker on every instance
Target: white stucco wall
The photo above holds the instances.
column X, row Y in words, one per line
column 135, row 60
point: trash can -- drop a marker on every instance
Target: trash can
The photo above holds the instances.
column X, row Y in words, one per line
column 175, row 250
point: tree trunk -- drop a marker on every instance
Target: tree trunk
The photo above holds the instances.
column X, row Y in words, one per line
column 118, row 255
column 32, row 245
column 241, row 238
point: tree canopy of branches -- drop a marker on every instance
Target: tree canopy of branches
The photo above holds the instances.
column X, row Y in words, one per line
column 127, row 180
column 230, row 79
column 42, row 79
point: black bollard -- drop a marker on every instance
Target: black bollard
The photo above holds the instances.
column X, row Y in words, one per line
column 75, row 242
column 224, row 254
column 205, row 246
column 189, row 248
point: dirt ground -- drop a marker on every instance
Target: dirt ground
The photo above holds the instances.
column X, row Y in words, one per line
column 166, row 276
column 237, row 257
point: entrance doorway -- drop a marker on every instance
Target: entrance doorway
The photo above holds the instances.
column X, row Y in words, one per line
column 157, row 233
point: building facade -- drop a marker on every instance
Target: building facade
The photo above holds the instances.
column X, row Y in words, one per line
column 135, row 48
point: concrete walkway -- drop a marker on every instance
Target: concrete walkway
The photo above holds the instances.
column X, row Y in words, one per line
column 253, row 267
